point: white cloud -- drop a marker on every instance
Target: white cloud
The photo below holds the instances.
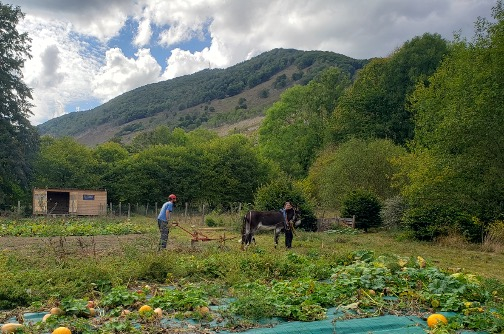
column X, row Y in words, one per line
column 97, row 18
column 70, row 61
column 121, row 74
column 182, row 62
column 144, row 32
column 177, row 33
column 183, row 20
column 61, row 68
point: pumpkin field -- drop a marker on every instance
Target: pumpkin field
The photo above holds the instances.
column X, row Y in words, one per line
column 106, row 275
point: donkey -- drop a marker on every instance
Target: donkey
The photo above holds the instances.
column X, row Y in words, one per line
column 268, row 220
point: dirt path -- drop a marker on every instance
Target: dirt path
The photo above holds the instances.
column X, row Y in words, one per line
column 99, row 244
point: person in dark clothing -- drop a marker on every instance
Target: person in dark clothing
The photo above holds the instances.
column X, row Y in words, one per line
column 288, row 226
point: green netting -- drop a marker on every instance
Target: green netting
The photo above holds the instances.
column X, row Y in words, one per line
column 384, row 324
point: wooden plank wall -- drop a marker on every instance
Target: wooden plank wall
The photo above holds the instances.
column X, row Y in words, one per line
column 90, row 202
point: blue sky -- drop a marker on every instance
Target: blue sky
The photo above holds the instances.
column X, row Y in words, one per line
column 85, row 53
column 127, row 34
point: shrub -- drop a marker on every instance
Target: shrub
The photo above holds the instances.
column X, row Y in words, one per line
column 366, row 207
column 264, row 93
column 297, row 76
column 155, row 269
column 210, row 222
column 392, row 211
column 432, row 221
column 12, row 294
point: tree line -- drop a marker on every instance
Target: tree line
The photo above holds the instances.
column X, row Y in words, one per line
column 419, row 130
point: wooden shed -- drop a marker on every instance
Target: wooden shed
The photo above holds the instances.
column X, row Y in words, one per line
column 79, row 202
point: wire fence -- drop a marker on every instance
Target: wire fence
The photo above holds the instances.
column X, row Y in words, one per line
column 136, row 209
column 198, row 213
column 181, row 211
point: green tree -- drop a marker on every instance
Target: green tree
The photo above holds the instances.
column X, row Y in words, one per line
column 376, row 104
column 295, row 127
column 206, row 169
column 18, row 138
column 457, row 160
column 273, row 195
column 64, row 163
column 110, row 153
column 148, row 176
column 365, row 206
column 234, row 170
column 356, row 164
column 109, row 157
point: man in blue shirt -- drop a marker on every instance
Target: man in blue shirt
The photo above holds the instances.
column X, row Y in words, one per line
column 163, row 218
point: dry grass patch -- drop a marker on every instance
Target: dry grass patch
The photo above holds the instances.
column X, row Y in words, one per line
column 494, row 238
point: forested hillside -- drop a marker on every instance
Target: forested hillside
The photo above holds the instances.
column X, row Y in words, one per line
column 208, row 98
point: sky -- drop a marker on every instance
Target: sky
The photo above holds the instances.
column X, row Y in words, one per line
column 86, row 52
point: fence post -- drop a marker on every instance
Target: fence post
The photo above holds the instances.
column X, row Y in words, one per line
column 146, row 209
column 156, row 209
column 111, row 210
column 19, row 207
column 185, row 212
column 120, row 208
column 129, row 210
column 353, row 221
column 203, row 215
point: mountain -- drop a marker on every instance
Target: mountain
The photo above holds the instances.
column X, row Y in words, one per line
column 231, row 99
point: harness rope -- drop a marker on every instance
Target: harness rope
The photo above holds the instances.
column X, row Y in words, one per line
column 289, row 224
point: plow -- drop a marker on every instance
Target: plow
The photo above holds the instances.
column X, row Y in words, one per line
column 197, row 235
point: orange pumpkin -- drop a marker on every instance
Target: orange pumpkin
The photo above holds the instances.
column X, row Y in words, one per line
column 62, row 330
column 144, row 309
column 10, row 328
column 203, row 310
column 56, row 311
column 92, row 312
column 158, row 311
column 434, row 319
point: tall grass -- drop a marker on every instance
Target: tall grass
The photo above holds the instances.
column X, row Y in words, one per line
column 494, row 238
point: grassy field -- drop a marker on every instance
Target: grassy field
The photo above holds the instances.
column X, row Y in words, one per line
column 65, row 265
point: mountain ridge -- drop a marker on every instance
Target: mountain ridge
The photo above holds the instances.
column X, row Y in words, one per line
column 211, row 98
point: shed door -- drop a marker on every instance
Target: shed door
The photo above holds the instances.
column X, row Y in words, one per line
column 73, row 204
column 58, row 202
